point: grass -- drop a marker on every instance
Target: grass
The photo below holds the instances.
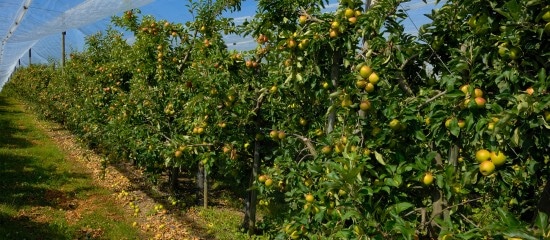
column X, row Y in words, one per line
column 45, row 196
column 222, row 223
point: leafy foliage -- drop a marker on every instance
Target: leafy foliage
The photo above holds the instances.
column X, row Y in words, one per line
column 348, row 113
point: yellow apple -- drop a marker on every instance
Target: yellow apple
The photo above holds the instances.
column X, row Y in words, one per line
column 365, row 71
column 326, row 149
column 309, row 198
column 365, row 105
column 349, row 13
column 302, row 19
column 395, row 124
column 373, row 78
column 486, row 167
column 478, row 92
column 369, row 88
column 482, row 155
column 498, row 158
column 428, row 179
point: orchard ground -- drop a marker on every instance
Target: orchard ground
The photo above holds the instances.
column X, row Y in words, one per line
column 53, row 188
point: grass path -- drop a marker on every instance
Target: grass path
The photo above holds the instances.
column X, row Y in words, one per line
column 46, row 194
column 53, row 188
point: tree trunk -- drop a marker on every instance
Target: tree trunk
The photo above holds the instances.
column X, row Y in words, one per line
column 334, row 76
column 249, row 221
column 200, row 183
column 173, row 178
column 205, row 188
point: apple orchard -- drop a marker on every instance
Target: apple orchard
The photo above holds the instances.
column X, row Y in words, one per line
column 340, row 125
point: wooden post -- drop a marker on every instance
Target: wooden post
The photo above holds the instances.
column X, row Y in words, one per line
column 63, row 49
column 205, row 189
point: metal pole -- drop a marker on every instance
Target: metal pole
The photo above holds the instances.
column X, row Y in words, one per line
column 30, row 62
column 63, row 49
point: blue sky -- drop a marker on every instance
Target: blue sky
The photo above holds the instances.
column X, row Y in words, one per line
column 176, row 11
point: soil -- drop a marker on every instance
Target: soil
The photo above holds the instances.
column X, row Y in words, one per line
column 129, row 190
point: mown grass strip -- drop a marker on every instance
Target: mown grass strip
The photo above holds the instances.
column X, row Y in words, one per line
column 43, row 195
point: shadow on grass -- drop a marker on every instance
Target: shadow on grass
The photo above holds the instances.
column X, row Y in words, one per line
column 22, row 227
column 27, row 194
column 9, row 128
column 24, row 181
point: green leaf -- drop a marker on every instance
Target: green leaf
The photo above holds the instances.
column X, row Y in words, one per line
column 420, row 135
column 379, row 158
column 402, row 206
column 542, row 222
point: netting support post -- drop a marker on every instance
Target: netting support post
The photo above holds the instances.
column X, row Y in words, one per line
column 63, row 49
column 30, row 56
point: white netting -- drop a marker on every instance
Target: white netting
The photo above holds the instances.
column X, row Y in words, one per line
column 38, row 24
column 24, row 24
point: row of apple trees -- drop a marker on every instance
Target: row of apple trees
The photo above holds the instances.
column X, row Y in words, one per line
column 344, row 125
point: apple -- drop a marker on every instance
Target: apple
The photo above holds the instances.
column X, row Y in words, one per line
column 268, row 182
column 178, row 154
column 274, row 134
column 346, row 102
column 333, row 33
column 395, row 124
column 465, row 89
column 338, row 148
column 547, row 116
column 325, row 85
column 486, row 168
column 369, row 88
column 303, row 44
column 273, row 89
column 326, row 149
column 200, row 130
column 530, row 90
column 335, row 25
column 480, row 102
column 498, row 158
column 344, row 139
column 365, row 105
column 373, row 78
column 291, row 43
column 357, row 13
column 428, row 179
column 547, row 28
column 365, row 71
column 302, row 19
column 461, row 123
column 546, row 16
column 503, row 50
column 361, row 84
column 482, row 155
column 478, row 92
column 366, row 151
column 448, row 122
column 303, row 121
column 514, row 53
column 281, row 135
column 491, row 126
column 349, row 13
column 319, row 132
column 262, row 178
column 352, row 20
column 309, row 198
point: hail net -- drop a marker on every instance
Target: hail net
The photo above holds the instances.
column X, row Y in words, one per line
column 38, row 24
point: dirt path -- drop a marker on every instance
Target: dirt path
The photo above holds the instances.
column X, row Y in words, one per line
column 152, row 218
